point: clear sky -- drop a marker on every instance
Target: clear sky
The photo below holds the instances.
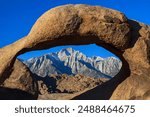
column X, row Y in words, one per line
column 18, row 16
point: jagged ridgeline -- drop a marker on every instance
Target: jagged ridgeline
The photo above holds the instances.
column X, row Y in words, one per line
column 72, row 62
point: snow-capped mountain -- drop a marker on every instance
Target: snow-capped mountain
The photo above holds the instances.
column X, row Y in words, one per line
column 71, row 62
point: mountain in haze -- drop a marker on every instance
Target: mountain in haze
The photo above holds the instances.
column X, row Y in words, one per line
column 72, row 62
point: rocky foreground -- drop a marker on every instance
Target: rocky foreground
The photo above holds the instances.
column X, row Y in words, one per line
column 66, row 87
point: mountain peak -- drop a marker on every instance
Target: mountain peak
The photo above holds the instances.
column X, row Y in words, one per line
column 97, row 58
column 69, row 49
column 73, row 62
column 112, row 58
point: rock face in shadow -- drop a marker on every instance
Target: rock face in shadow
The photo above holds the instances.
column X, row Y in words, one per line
column 83, row 24
column 20, row 84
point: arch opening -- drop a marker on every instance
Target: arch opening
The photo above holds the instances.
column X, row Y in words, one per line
column 91, row 53
column 82, row 66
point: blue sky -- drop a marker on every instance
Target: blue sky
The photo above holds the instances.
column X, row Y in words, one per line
column 18, row 16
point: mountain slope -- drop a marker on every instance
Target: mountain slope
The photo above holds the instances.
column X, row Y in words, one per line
column 71, row 62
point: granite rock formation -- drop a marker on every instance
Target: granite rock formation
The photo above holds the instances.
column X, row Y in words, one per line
column 20, row 84
column 68, row 84
column 65, row 86
column 83, row 24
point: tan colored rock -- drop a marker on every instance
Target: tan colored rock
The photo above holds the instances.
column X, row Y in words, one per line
column 83, row 24
column 20, row 79
column 43, row 89
column 136, row 86
column 77, row 83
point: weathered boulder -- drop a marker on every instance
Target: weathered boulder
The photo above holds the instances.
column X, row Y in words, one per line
column 83, row 24
column 20, row 84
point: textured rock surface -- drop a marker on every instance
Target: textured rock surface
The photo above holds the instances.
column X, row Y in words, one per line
column 83, row 24
column 136, row 86
column 20, row 79
column 72, row 62
column 77, row 83
column 66, row 87
column 43, row 89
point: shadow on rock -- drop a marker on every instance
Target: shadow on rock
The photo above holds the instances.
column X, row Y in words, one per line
column 15, row 94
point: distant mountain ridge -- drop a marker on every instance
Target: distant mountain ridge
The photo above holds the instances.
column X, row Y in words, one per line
column 72, row 62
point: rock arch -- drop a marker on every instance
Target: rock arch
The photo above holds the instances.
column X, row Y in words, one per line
column 83, row 24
